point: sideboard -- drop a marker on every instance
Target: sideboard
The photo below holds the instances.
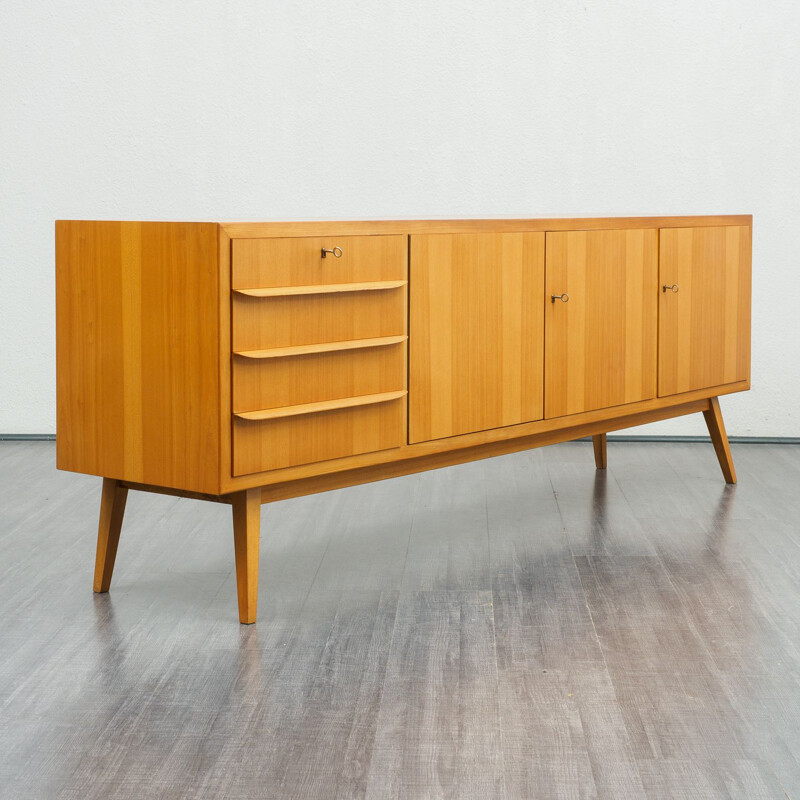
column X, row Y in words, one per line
column 248, row 362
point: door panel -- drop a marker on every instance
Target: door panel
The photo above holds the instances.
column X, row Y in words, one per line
column 476, row 332
column 704, row 327
column 600, row 346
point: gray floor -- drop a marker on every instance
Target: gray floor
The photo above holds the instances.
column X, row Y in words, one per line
column 523, row 627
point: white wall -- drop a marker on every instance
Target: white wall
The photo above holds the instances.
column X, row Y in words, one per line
column 278, row 110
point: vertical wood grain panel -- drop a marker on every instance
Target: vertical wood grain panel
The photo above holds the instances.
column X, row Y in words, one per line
column 90, row 387
column 137, row 352
column 600, row 346
column 132, row 349
column 476, row 318
column 225, row 358
column 704, row 328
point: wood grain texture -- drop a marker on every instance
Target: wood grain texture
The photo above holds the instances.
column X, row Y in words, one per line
column 704, row 328
column 600, row 346
column 288, row 441
column 112, row 511
column 268, row 383
column 298, row 261
column 719, row 438
column 264, row 323
column 246, row 509
column 436, row 736
column 137, row 361
column 327, row 228
column 476, row 317
column 224, row 347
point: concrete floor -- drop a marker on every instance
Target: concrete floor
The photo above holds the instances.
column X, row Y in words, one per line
column 523, row 627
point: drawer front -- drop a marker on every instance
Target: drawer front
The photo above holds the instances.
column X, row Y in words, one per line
column 319, row 349
column 262, row 445
column 268, row 322
column 299, row 262
column 261, row 383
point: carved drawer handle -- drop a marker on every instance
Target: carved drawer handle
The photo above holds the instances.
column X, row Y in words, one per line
column 336, row 252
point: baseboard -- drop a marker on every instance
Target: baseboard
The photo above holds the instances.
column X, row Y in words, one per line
column 706, row 439
column 27, row 437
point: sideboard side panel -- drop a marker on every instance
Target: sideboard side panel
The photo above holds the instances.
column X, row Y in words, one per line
column 137, row 357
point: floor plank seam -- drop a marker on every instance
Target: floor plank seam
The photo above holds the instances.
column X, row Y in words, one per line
column 319, row 565
column 500, row 726
column 608, row 675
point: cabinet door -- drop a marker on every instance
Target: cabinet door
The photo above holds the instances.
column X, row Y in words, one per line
column 476, row 332
column 601, row 344
column 704, row 315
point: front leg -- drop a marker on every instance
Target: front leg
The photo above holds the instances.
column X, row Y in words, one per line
column 246, row 535
column 112, row 510
column 600, row 456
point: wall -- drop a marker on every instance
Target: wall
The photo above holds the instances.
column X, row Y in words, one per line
column 268, row 110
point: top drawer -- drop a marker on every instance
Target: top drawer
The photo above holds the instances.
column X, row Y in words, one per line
column 263, row 263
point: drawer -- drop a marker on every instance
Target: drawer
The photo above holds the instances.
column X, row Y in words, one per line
column 299, row 262
column 286, row 321
column 260, row 445
column 285, row 378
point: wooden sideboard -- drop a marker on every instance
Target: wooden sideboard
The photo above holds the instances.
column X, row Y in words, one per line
column 248, row 362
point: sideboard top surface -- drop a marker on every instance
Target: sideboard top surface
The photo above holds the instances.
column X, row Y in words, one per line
column 268, row 229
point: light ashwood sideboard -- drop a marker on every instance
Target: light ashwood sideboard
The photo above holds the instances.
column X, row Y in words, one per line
column 250, row 362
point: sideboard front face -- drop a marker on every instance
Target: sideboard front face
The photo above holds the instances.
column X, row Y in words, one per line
column 493, row 330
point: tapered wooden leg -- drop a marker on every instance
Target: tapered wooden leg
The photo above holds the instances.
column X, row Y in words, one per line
column 246, row 535
column 112, row 510
column 600, row 459
column 716, row 428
